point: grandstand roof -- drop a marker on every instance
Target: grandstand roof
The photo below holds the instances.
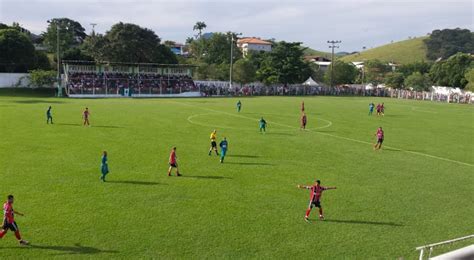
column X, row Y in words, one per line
column 126, row 63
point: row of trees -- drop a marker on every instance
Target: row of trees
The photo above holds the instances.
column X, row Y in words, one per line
column 122, row 43
column 211, row 56
column 17, row 52
column 456, row 71
column 285, row 64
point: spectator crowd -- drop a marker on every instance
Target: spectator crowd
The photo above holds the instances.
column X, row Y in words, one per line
column 115, row 83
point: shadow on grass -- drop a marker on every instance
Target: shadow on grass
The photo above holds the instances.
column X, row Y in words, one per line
column 242, row 156
column 99, row 126
column 207, row 177
column 136, row 182
column 36, row 101
column 276, row 133
column 250, row 163
column 345, row 221
column 76, row 249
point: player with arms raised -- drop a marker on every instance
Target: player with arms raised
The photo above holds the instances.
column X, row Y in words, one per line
column 315, row 198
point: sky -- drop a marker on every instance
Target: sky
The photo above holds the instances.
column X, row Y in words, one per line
column 356, row 23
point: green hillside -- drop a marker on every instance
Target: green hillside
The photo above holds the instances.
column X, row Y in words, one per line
column 311, row 52
column 399, row 52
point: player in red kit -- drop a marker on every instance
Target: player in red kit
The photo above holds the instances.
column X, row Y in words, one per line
column 315, row 198
column 9, row 220
column 173, row 162
column 380, row 136
column 303, row 121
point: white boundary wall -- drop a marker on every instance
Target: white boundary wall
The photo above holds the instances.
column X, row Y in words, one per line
column 10, row 80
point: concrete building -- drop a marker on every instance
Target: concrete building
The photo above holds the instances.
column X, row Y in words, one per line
column 253, row 44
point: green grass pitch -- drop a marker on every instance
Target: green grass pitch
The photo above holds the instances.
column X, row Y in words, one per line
column 417, row 190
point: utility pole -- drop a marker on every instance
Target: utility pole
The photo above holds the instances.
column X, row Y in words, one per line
column 232, row 56
column 55, row 23
column 93, row 28
column 333, row 46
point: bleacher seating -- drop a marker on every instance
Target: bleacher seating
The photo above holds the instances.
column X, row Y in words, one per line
column 114, row 83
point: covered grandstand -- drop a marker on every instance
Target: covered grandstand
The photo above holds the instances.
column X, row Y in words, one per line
column 114, row 79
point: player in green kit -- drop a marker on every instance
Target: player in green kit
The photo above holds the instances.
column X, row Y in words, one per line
column 239, row 106
column 104, row 166
column 263, row 125
column 49, row 117
column 224, row 145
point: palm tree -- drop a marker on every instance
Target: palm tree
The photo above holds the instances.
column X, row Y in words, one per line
column 199, row 26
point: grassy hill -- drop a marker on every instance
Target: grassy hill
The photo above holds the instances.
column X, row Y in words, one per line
column 400, row 52
column 311, row 52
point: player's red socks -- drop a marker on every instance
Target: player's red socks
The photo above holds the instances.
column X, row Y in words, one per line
column 320, row 212
column 17, row 235
column 2, row 233
column 307, row 212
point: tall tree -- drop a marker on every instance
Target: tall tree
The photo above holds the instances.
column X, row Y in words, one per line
column 199, row 26
column 344, row 73
column 284, row 64
column 17, row 53
column 417, row 81
column 470, row 79
column 244, row 71
column 451, row 72
column 127, row 42
column 418, row 66
column 375, row 71
column 216, row 49
column 71, row 34
column 394, row 80
column 447, row 42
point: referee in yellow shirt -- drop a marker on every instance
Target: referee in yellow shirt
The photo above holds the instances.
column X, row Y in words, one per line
column 213, row 143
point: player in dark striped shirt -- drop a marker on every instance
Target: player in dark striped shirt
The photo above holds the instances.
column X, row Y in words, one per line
column 315, row 198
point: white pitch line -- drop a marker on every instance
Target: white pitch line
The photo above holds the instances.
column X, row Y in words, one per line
column 336, row 136
column 329, row 123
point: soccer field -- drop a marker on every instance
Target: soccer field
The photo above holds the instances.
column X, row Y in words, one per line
column 418, row 189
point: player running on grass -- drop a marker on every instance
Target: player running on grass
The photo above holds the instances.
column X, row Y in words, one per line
column 239, row 106
column 224, row 145
column 173, row 162
column 379, row 109
column 380, row 136
column 371, row 108
column 213, row 143
column 85, row 116
column 9, row 220
column 303, row 121
column 263, row 125
column 104, row 167
column 315, row 198
column 49, row 117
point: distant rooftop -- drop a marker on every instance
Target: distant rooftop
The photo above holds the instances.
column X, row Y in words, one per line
column 253, row 40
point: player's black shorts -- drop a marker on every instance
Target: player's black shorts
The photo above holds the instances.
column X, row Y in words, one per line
column 315, row 203
column 213, row 144
column 12, row 226
column 174, row 165
column 380, row 141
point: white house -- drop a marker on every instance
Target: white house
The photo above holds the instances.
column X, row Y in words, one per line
column 253, row 44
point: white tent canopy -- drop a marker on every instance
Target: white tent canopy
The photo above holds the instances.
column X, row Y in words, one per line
column 310, row 82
